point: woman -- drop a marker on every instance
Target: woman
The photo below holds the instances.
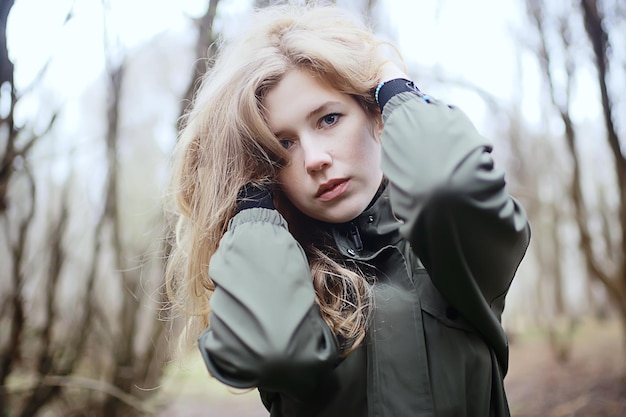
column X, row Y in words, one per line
column 344, row 243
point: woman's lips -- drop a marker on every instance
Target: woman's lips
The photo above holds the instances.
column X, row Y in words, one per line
column 331, row 190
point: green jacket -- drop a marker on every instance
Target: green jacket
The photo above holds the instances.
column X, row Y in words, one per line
column 446, row 239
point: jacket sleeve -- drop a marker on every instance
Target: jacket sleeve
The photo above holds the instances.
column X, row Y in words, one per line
column 265, row 328
column 469, row 233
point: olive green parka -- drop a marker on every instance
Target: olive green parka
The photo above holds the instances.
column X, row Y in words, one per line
column 445, row 239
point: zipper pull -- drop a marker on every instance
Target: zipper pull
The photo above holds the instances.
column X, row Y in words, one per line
column 356, row 236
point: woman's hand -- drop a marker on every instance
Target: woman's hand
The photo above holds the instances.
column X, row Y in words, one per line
column 254, row 195
column 392, row 66
column 389, row 71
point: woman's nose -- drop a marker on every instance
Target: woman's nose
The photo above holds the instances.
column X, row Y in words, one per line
column 316, row 157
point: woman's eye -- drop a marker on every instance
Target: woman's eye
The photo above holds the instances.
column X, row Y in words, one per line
column 330, row 119
column 286, row 143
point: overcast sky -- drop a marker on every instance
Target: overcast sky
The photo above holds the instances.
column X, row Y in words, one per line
column 460, row 36
column 474, row 41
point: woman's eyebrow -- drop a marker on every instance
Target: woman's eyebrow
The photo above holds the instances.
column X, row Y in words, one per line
column 322, row 109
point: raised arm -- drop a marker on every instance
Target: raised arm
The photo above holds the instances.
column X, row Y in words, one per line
column 469, row 233
column 265, row 329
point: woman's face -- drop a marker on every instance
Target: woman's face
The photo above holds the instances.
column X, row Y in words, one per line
column 334, row 167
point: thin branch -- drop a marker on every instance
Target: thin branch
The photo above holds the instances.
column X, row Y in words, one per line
column 30, row 142
column 16, row 324
column 43, row 393
column 205, row 49
column 594, row 27
column 36, row 80
column 93, row 385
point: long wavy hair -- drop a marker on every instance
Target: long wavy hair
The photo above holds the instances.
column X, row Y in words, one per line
column 226, row 143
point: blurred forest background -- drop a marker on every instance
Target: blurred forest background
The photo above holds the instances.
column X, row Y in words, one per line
column 88, row 117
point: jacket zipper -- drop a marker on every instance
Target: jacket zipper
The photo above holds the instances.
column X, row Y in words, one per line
column 356, row 236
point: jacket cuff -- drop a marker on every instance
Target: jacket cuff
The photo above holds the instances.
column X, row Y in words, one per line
column 257, row 214
column 390, row 88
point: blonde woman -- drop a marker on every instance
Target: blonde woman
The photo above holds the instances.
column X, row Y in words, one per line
column 344, row 243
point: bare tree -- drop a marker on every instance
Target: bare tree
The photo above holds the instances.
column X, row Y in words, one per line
column 8, row 122
column 561, row 38
column 79, row 308
column 16, row 218
column 204, row 51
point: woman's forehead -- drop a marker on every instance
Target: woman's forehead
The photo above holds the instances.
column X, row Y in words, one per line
column 299, row 95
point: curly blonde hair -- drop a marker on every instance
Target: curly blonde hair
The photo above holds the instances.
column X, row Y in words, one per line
column 226, row 143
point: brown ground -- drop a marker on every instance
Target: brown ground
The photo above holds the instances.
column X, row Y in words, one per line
column 590, row 384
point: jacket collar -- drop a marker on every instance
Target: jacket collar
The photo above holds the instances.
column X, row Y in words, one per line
column 373, row 230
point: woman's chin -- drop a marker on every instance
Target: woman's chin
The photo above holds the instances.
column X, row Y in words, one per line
column 338, row 214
